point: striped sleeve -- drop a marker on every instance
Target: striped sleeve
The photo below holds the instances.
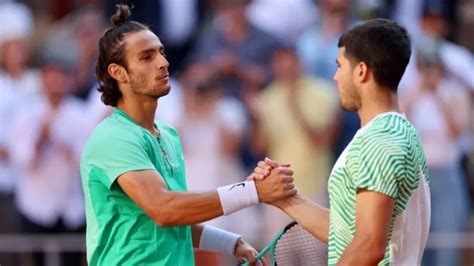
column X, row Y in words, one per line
column 381, row 165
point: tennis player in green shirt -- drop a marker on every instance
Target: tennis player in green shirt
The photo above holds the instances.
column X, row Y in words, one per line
column 137, row 207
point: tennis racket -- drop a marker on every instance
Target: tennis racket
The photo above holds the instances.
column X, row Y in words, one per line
column 295, row 246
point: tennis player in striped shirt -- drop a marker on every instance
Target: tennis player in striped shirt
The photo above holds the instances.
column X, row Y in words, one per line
column 379, row 187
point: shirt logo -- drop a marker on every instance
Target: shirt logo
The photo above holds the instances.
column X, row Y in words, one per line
column 236, row 185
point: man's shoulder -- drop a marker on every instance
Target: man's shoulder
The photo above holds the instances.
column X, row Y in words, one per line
column 163, row 125
column 110, row 141
column 391, row 126
column 389, row 134
column 108, row 131
column 111, row 125
column 166, row 128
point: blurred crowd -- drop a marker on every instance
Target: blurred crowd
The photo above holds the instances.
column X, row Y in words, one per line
column 250, row 78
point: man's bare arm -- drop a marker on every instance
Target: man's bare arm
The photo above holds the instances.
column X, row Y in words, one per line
column 373, row 216
column 170, row 208
column 311, row 216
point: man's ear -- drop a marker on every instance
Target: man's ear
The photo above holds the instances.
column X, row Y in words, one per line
column 361, row 73
column 118, row 72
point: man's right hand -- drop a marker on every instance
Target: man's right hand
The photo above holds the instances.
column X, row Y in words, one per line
column 263, row 168
column 277, row 185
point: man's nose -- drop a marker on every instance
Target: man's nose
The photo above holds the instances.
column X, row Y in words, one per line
column 163, row 63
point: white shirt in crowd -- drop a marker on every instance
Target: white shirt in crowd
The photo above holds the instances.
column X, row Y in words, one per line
column 282, row 18
column 13, row 92
column 179, row 18
column 49, row 184
column 427, row 116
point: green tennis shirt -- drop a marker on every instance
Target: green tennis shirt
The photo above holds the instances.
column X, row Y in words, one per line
column 119, row 232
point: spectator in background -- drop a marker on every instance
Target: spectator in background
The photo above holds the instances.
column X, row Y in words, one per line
column 317, row 48
column 218, row 122
column 17, row 83
column 458, row 64
column 282, row 18
column 458, row 61
column 238, row 50
column 211, row 128
column 240, row 54
column 15, row 33
column 439, row 109
column 303, row 109
column 408, row 13
column 176, row 23
column 45, row 140
column 87, row 27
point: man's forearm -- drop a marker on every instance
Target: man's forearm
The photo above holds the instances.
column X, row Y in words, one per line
column 362, row 252
column 174, row 208
column 186, row 208
column 308, row 214
column 191, row 208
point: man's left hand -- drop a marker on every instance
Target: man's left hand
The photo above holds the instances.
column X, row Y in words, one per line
column 245, row 250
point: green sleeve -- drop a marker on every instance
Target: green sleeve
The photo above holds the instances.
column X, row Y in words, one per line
column 381, row 166
column 119, row 153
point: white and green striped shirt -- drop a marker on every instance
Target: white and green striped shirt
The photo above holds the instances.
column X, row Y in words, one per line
column 385, row 156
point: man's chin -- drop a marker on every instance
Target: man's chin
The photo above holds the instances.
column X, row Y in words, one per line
column 162, row 92
column 347, row 108
column 166, row 91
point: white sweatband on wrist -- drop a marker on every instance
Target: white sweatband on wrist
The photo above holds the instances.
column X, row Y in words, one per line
column 218, row 240
column 237, row 196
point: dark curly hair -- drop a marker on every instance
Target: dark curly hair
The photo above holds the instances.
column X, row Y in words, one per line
column 111, row 50
column 383, row 45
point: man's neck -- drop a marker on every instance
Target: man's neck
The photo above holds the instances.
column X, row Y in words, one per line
column 142, row 111
column 377, row 103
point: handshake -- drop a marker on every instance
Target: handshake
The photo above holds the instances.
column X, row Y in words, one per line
column 273, row 185
column 274, row 181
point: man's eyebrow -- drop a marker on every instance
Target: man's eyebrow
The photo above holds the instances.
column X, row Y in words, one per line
column 146, row 51
column 149, row 50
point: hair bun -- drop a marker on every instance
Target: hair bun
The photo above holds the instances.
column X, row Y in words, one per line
column 121, row 16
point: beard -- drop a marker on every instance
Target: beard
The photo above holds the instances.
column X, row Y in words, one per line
column 351, row 100
column 139, row 85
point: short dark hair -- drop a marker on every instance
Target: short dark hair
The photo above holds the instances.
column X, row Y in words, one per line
column 383, row 45
column 111, row 50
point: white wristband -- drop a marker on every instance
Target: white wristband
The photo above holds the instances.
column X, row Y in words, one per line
column 218, row 240
column 237, row 196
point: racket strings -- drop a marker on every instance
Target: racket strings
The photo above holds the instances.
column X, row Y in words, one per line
column 298, row 247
